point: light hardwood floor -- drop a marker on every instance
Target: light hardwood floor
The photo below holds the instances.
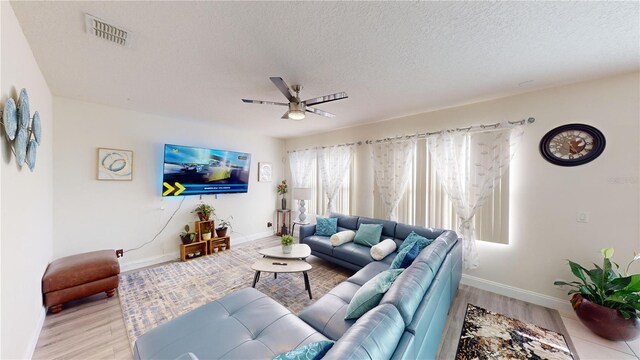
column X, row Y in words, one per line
column 93, row 328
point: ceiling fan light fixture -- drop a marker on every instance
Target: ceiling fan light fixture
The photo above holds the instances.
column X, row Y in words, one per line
column 296, row 110
column 296, row 115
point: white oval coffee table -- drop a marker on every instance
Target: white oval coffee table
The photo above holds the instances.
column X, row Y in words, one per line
column 275, row 261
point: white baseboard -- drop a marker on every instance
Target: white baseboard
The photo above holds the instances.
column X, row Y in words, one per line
column 562, row 305
column 137, row 264
column 31, row 346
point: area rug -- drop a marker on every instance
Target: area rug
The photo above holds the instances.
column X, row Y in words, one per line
column 153, row 296
column 489, row 335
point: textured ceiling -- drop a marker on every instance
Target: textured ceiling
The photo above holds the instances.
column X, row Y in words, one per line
column 196, row 60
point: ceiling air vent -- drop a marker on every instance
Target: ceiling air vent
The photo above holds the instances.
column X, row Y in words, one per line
column 106, row 31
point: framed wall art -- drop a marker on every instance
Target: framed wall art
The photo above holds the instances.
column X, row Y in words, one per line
column 115, row 164
column 265, row 171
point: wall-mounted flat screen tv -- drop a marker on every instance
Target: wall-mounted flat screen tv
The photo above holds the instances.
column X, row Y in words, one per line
column 196, row 171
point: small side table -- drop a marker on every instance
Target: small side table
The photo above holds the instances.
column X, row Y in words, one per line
column 283, row 222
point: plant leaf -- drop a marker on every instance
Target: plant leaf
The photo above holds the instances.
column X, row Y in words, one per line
column 578, row 271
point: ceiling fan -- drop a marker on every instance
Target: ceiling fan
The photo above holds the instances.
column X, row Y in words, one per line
column 297, row 108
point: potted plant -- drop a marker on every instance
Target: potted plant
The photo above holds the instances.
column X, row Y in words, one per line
column 204, row 211
column 221, row 230
column 186, row 236
column 206, row 234
column 605, row 300
column 287, row 243
column 282, row 190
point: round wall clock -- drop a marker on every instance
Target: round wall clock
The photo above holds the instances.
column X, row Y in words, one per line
column 572, row 144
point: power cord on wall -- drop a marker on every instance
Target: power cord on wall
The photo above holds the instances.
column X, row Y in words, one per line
column 161, row 230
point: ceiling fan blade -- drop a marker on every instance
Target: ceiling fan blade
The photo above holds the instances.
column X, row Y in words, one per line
column 286, row 115
column 263, row 102
column 283, row 87
column 326, row 98
column 320, row 112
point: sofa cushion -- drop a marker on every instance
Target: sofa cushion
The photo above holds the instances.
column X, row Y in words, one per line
column 409, row 288
column 388, row 227
column 353, row 253
column 403, row 231
column 319, row 243
column 346, row 221
column 374, row 336
column 312, row 351
column 368, row 234
column 405, row 257
column 412, row 238
column 368, row 272
column 370, row 294
column 327, row 314
column 244, row 324
column 326, row 226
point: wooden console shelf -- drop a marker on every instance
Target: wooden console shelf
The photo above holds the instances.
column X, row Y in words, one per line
column 217, row 242
column 193, row 250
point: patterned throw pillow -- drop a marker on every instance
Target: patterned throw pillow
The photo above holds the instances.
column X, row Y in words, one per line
column 413, row 237
column 370, row 294
column 311, row 351
column 326, row 226
column 368, row 234
column 405, row 257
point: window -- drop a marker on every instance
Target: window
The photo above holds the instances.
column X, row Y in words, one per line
column 318, row 204
column 425, row 203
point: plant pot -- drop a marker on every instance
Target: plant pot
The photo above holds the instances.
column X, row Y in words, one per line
column 223, row 247
column 284, row 203
column 221, row 232
column 203, row 217
column 605, row 322
column 206, row 236
column 187, row 239
column 286, row 249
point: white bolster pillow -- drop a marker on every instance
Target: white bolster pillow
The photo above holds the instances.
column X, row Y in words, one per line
column 342, row 237
column 382, row 249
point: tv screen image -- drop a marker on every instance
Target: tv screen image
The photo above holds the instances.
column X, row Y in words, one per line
column 196, row 171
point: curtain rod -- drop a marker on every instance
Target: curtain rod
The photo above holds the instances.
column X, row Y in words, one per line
column 473, row 128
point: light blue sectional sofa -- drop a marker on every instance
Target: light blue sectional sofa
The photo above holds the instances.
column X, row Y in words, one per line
column 407, row 324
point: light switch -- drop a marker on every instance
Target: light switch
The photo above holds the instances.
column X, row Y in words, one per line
column 583, row 217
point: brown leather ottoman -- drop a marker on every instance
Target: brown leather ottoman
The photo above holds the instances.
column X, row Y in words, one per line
column 74, row 277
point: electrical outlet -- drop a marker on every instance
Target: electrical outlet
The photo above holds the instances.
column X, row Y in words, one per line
column 119, row 253
column 269, row 224
column 583, row 217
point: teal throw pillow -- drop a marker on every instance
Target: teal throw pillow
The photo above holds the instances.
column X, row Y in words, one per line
column 326, row 226
column 311, row 351
column 413, row 237
column 370, row 294
column 405, row 257
column 368, row 234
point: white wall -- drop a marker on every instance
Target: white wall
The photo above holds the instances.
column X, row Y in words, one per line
column 544, row 198
column 27, row 197
column 92, row 214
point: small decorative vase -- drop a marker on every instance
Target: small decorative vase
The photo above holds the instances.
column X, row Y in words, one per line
column 605, row 322
column 206, row 236
column 284, row 203
column 223, row 247
column 203, row 217
column 286, row 249
column 221, row 232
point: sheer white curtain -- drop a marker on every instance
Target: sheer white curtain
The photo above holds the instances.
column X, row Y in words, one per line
column 392, row 165
column 301, row 163
column 334, row 163
column 469, row 165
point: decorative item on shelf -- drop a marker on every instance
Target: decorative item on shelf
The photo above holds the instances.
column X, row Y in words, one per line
column 223, row 247
column 287, row 243
column 223, row 225
column 23, row 132
column 204, row 211
column 572, row 144
column 302, row 194
column 605, row 300
column 186, row 236
column 265, row 171
column 282, row 190
column 206, row 234
column 115, row 164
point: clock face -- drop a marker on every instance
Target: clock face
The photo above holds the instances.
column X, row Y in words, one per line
column 572, row 144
